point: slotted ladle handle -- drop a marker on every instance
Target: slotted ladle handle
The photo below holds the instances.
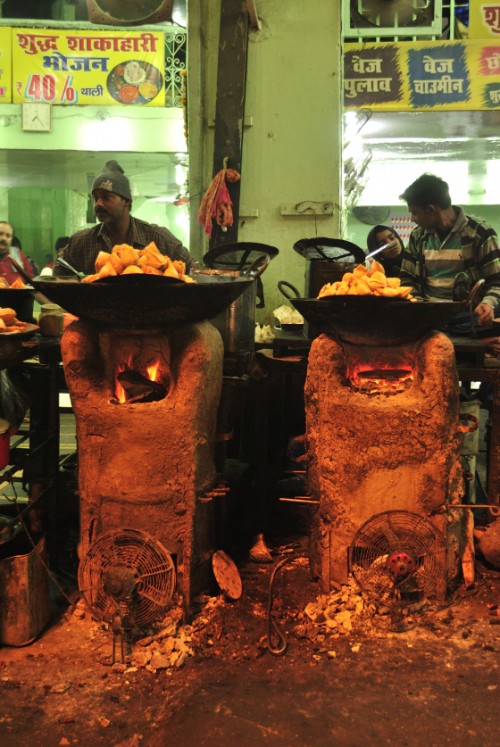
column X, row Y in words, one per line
column 62, row 263
column 20, row 270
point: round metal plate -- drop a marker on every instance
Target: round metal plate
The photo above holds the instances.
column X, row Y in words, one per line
column 226, row 574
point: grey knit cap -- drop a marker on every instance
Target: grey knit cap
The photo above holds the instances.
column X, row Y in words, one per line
column 113, row 179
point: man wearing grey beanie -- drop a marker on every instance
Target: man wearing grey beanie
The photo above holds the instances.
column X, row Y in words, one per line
column 112, row 203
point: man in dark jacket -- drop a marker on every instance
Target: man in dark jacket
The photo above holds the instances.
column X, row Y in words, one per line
column 112, row 203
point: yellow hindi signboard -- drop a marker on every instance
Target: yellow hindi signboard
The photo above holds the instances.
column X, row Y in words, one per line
column 5, row 66
column 484, row 20
column 88, row 67
column 423, row 76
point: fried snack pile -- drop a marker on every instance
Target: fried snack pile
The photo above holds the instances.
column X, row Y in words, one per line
column 18, row 283
column 125, row 260
column 9, row 323
column 286, row 315
column 366, row 282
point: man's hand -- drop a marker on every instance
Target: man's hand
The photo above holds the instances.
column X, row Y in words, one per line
column 493, row 344
column 484, row 313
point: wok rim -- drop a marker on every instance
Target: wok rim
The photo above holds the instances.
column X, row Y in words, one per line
column 373, row 320
column 136, row 279
column 24, row 334
column 143, row 302
column 339, row 300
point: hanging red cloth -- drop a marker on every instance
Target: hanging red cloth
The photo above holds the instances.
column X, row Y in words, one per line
column 216, row 203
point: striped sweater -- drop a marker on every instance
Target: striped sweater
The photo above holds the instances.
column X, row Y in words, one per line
column 430, row 265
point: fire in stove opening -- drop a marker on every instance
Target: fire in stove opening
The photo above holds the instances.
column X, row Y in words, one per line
column 381, row 380
column 132, row 386
column 380, row 370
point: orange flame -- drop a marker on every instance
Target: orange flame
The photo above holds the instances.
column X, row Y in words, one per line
column 153, row 370
column 151, row 373
column 384, row 378
column 120, row 392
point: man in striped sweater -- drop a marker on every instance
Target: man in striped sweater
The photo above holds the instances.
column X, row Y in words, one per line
column 447, row 242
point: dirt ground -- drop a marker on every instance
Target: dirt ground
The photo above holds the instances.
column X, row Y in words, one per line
column 352, row 671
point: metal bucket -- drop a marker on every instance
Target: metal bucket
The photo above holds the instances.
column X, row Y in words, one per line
column 236, row 323
column 24, row 590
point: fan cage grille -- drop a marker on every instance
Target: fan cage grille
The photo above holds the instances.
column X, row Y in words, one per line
column 394, row 537
column 137, row 557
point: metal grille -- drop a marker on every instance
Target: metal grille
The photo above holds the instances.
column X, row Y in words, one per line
column 403, row 19
column 175, row 63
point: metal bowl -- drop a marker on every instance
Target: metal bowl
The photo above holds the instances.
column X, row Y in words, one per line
column 19, row 299
column 14, row 347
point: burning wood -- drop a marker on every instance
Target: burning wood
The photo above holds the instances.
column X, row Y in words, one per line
column 382, row 381
column 138, row 388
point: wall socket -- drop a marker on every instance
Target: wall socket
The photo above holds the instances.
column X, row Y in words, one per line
column 307, row 207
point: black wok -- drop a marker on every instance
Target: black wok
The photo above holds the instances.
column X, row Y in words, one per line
column 375, row 320
column 14, row 348
column 19, row 299
column 142, row 301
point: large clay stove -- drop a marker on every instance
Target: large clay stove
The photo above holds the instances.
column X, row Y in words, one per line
column 382, row 437
column 145, row 407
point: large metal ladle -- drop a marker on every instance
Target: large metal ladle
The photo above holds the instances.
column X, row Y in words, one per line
column 63, row 263
column 20, row 269
column 381, row 248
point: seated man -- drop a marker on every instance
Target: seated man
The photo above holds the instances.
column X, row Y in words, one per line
column 445, row 243
column 112, row 203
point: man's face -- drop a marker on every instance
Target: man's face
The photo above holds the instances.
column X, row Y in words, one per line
column 108, row 206
column 425, row 217
column 386, row 237
column 6, row 234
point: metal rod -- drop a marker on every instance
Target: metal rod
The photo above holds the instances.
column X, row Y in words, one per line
column 299, row 499
column 381, row 249
column 252, row 14
column 494, row 510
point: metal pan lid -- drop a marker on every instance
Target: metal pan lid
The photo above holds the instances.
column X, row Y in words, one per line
column 226, row 574
column 330, row 249
column 237, row 256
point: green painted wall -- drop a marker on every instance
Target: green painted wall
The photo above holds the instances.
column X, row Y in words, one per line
column 42, row 213
column 292, row 133
column 50, row 207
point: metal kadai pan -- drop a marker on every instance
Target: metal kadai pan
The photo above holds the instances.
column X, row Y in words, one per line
column 19, row 299
column 378, row 321
column 142, row 301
